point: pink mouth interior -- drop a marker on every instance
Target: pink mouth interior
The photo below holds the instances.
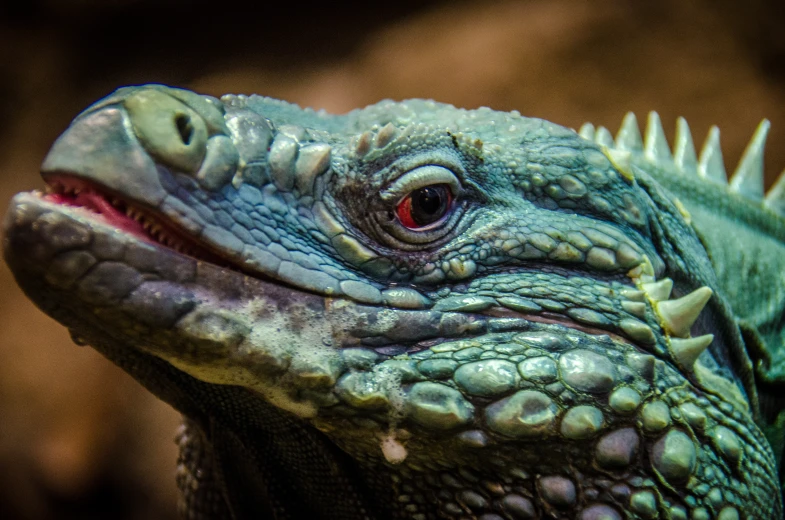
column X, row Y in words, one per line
column 125, row 216
column 98, row 204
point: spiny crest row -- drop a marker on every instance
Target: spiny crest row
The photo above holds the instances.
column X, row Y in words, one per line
column 371, row 144
column 746, row 181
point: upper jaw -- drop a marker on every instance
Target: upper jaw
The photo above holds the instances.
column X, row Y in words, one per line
column 173, row 154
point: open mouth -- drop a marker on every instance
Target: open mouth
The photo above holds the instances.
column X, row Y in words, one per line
column 124, row 215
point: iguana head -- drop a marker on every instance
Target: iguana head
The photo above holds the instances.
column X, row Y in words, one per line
column 488, row 313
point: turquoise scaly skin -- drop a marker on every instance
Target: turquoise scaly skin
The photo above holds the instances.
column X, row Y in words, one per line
column 417, row 311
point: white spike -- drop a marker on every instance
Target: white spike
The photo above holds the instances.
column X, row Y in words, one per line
column 679, row 315
column 683, row 148
column 656, row 145
column 603, row 137
column 629, row 136
column 659, row 291
column 711, row 166
column 363, row 144
column 748, row 178
column 686, row 351
column 587, row 131
column 775, row 198
column 385, row 135
column 622, row 161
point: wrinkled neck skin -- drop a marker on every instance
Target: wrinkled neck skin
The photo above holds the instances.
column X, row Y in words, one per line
column 555, row 346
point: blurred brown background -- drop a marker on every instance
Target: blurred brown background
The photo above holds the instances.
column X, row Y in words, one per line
column 78, row 438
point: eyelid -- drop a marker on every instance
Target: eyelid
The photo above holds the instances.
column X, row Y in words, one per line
column 419, row 178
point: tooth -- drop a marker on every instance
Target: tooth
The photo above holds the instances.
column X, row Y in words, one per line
column 686, row 351
column 656, row 144
column 659, row 291
column 629, row 136
column 679, row 315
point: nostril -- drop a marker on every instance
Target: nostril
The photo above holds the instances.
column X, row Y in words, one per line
column 184, row 127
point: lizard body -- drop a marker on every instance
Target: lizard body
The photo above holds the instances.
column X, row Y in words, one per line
column 418, row 311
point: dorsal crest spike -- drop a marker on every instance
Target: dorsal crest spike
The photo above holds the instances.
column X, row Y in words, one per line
column 629, row 136
column 603, row 137
column 587, row 131
column 747, row 181
column 683, row 148
column 656, row 145
column 775, row 198
column 711, row 166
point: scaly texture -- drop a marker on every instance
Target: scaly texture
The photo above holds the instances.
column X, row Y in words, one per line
column 417, row 311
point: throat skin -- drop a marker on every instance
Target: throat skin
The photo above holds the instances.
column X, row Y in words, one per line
column 559, row 337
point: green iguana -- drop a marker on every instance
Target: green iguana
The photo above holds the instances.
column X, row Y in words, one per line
column 417, row 311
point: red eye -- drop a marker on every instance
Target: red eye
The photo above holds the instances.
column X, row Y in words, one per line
column 424, row 206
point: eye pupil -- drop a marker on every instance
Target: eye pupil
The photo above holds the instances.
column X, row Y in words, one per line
column 424, row 206
column 427, row 200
